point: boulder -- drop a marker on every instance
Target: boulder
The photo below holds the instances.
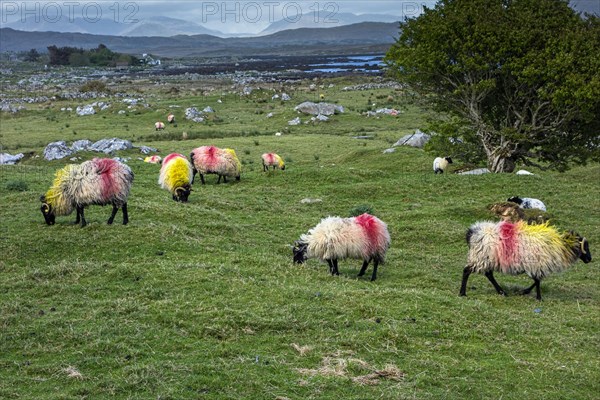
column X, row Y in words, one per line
column 308, row 107
column 478, row 171
column 80, row 145
column 57, row 150
column 417, row 139
column 109, row 145
column 285, row 97
column 85, row 110
column 8, row 159
column 523, row 172
column 147, row 150
column 208, row 109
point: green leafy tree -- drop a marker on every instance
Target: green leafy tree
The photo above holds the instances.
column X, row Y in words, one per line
column 32, row 55
column 512, row 80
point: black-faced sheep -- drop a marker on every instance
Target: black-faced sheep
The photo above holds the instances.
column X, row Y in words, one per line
column 213, row 160
column 364, row 237
column 537, row 250
column 176, row 176
column 99, row 181
column 272, row 160
column 528, row 202
column 440, row 164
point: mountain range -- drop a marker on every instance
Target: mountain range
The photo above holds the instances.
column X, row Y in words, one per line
column 345, row 39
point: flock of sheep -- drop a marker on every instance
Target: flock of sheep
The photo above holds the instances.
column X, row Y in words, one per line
column 512, row 246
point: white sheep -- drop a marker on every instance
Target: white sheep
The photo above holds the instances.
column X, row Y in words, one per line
column 364, row 237
column 528, row 202
column 159, row 126
column 537, row 250
column 99, row 181
column 440, row 164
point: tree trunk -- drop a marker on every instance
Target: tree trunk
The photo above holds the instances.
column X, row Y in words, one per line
column 501, row 163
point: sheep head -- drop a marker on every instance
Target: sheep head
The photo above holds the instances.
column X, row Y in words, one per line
column 584, row 248
column 300, row 252
column 182, row 193
column 47, row 211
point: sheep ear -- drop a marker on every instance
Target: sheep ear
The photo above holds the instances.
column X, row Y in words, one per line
column 43, row 198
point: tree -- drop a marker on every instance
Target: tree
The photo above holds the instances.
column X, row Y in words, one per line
column 32, row 55
column 512, row 80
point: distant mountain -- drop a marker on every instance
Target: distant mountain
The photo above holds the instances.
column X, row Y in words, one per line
column 372, row 36
column 165, row 26
column 154, row 26
column 322, row 19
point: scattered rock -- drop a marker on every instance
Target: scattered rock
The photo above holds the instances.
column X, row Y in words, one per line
column 8, row 159
column 208, row 109
column 388, row 111
column 85, row 110
column 80, row 145
column 417, row 139
column 147, row 150
column 270, row 115
column 523, row 172
column 319, row 118
column 109, row 145
column 295, row 121
column 275, row 97
column 479, row 171
column 57, row 151
column 310, row 201
column 390, row 150
column 277, row 133
column 363, row 137
column 193, row 114
column 285, row 97
column 308, row 107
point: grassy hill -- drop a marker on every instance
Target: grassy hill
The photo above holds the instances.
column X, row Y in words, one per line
column 201, row 300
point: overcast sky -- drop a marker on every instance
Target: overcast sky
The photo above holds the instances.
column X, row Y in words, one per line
column 240, row 16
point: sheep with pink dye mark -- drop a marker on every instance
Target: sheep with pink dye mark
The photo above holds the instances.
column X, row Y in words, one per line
column 536, row 250
column 364, row 237
column 213, row 160
column 159, row 126
column 272, row 160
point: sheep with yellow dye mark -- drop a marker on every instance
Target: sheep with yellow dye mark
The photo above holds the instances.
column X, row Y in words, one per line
column 99, row 181
column 364, row 237
column 536, row 250
column 272, row 160
column 176, row 176
column 214, row 160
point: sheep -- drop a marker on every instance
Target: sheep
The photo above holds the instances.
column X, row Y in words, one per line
column 272, row 160
column 171, row 118
column 511, row 212
column 364, row 237
column 440, row 164
column 213, row 160
column 159, row 126
column 99, row 181
column 536, row 250
column 176, row 176
column 153, row 159
column 528, row 202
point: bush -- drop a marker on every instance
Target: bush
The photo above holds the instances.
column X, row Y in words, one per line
column 93, row 86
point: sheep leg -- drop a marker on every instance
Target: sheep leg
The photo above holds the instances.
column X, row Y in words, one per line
column 335, row 267
column 375, row 264
column 194, row 170
column 538, row 290
column 77, row 219
column 202, row 178
column 490, row 276
column 364, row 267
column 219, row 179
column 264, row 168
column 112, row 216
column 330, row 266
column 463, row 287
column 125, row 215
column 80, row 213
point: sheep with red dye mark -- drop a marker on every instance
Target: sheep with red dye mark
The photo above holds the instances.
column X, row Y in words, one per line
column 171, row 118
column 99, row 181
column 176, row 176
column 214, row 160
column 272, row 160
column 159, row 126
column 536, row 250
column 364, row 237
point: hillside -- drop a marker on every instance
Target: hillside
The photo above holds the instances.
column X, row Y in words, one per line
column 336, row 40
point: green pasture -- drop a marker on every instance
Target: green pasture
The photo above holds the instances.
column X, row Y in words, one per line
column 202, row 300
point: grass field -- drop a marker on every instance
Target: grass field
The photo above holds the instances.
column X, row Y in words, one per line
column 202, row 301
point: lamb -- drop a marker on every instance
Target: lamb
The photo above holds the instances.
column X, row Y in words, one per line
column 272, row 160
column 213, row 160
column 159, row 126
column 99, row 181
column 176, row 176
column 528, row 202
column 440, row 164
column 364, row 237
column 536, row 250
column 171, row 118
